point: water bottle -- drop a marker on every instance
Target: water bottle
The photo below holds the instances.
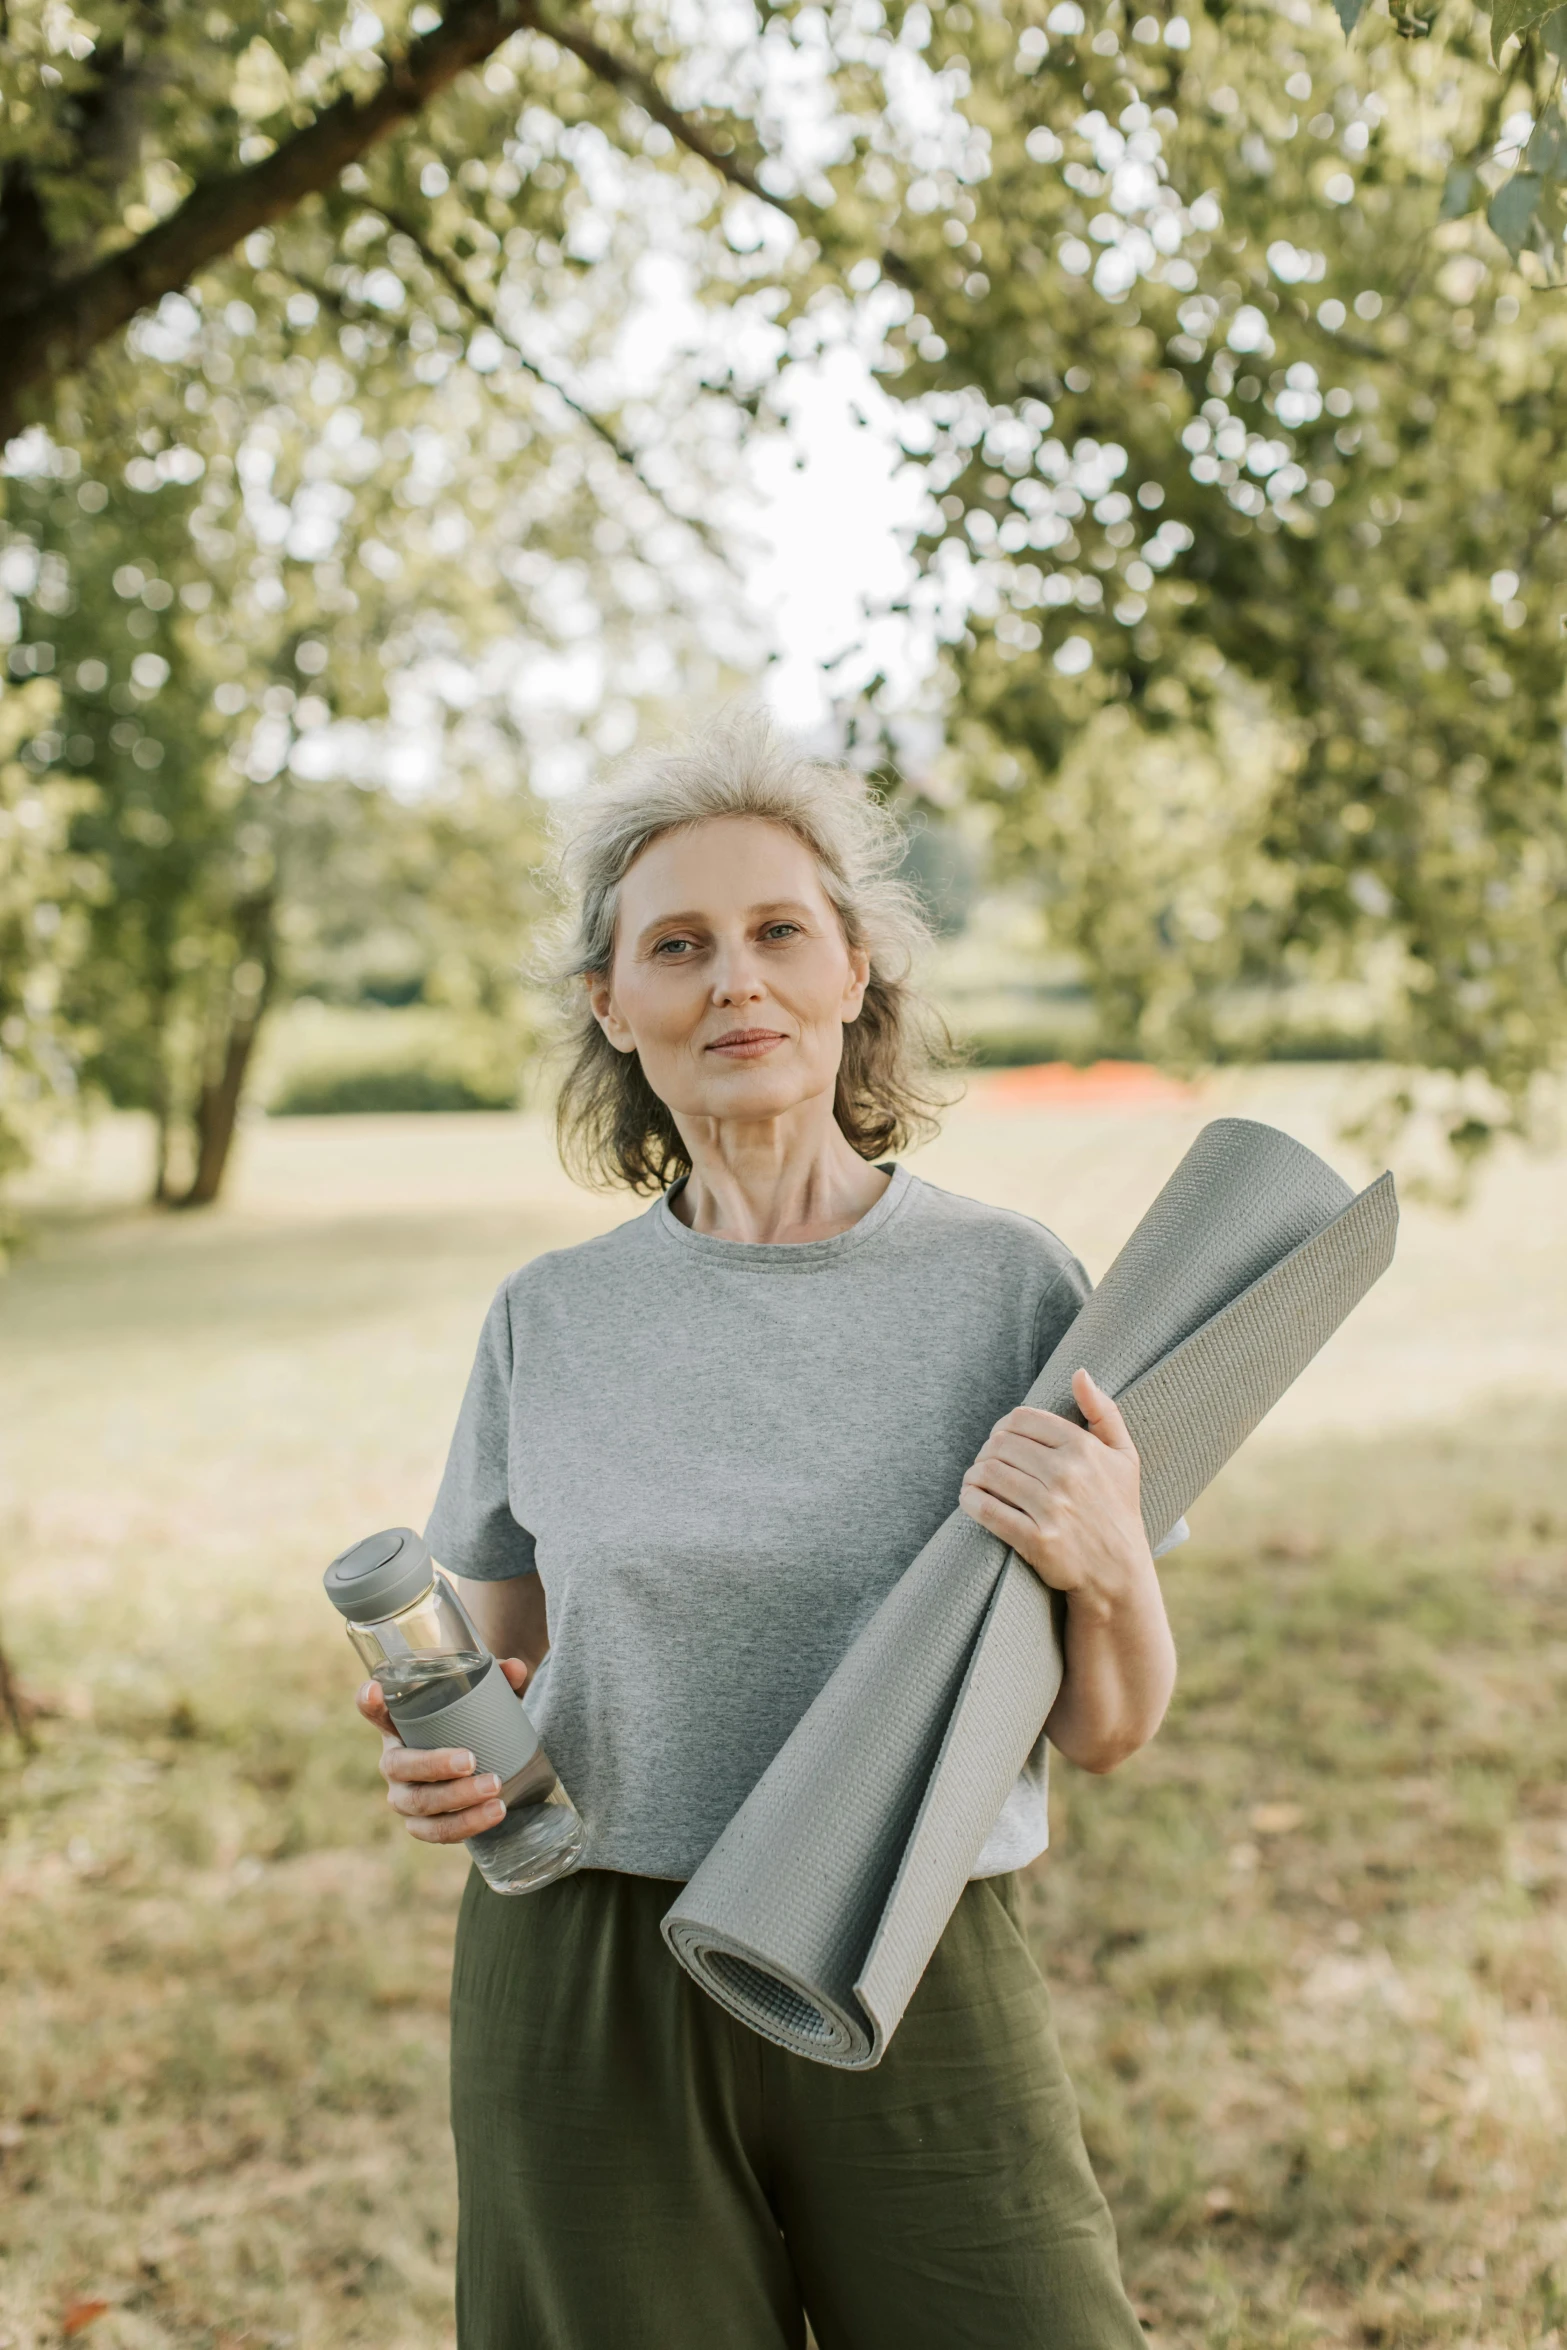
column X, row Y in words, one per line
column 444, row 1688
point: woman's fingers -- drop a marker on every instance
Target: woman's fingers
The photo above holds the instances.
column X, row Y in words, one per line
column 517, row 1671
column 1102, row 1413
column 437, row 1792
column 437, row 1799
column 1039, row 1427
column 1017, row 1486
column 372, row 1705
column 1063, row 1497
column 436, row 1783
column 1013, row 1526
column 454, row 1827
column 421, row 1766
column 1045, row 1463
column 417, row 1763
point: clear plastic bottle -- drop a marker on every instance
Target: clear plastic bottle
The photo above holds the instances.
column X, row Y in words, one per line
column 444, row 1688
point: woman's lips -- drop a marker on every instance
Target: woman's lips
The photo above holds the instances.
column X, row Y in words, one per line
column 746, row 1044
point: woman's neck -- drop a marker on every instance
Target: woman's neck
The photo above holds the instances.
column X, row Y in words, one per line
column 771, row 1182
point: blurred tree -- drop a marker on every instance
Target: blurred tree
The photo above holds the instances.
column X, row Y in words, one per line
column 1212, row 401
column 43, row 890
column 225, row 618
column 1521, row 181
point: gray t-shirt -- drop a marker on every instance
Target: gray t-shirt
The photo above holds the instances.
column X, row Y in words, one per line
column 720, row 1457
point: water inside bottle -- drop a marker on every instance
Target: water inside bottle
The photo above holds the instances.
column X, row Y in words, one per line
column 419, row 1685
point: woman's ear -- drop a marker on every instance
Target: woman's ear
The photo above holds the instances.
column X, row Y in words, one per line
column 859, row 980
column 601, row 1003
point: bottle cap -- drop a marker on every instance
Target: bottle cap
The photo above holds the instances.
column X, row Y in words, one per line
column 374, row 1578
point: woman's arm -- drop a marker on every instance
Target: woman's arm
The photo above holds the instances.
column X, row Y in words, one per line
column 435, row 1789
column 1066, row 1500
column 510, row 1614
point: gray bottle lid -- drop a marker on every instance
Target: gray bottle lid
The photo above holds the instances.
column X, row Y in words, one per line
column 374, row 1578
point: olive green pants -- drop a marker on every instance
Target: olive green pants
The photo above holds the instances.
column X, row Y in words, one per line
column 639, row 2172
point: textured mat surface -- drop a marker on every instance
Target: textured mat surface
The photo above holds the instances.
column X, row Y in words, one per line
column 815, row 1914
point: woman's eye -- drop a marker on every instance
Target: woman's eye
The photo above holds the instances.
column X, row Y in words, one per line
column 782, row 930
column 673, row 950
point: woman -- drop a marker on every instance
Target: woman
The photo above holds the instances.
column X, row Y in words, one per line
column 693, row 1457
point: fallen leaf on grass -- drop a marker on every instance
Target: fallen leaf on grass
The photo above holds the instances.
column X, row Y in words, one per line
column 79, row 2315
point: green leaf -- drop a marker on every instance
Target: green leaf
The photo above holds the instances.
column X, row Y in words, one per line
column 1551, row 216
column 1512, row 209
column 1516, row 16
column 1547, row 149
column 1460, row 191
column 1553, row 32
column 1350, row 13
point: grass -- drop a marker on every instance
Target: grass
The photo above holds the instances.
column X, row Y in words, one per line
column 1311, row 1949
column 1309, row 1952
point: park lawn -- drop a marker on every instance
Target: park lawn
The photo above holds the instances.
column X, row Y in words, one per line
column 1309, row 1952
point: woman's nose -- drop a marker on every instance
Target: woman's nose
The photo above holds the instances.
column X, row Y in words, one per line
column 736, row 979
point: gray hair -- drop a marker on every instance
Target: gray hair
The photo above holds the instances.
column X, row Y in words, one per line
column 612, row 1127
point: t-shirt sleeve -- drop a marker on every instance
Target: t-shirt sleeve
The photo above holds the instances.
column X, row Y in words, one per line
column 471, row 1529
column 1059, row 1306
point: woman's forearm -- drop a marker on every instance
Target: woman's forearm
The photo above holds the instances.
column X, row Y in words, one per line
column 1120, row 1672
column 510, row 1615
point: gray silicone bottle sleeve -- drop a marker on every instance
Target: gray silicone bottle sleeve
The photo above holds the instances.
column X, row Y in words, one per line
column 489, row 1720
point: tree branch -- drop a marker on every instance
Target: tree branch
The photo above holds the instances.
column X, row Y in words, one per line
column 61, row 330
column 621, row 74
column 440, row 265
column 640, row 86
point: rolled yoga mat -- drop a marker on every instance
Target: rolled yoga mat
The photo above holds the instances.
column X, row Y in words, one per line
column 816, row 1912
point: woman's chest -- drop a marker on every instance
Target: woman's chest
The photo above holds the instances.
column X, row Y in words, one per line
column 764, row 1437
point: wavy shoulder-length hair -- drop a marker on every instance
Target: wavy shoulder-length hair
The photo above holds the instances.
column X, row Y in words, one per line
column 611, row 1126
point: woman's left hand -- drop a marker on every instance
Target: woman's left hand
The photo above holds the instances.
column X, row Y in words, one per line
column 1066, row 1499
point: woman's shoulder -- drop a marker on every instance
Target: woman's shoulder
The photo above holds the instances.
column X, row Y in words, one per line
column 572, row 1272
column 1002, row 1238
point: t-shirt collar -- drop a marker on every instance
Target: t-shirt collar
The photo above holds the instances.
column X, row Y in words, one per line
column 784, row 1256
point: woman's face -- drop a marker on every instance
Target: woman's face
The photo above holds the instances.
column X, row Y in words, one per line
column 731, row 979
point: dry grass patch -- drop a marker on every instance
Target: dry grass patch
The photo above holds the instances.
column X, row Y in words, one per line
column 1309, row 1953
column 223, row 2069
column 1311, row 1949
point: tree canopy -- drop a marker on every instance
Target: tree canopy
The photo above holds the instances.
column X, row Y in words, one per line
column 1222, row 347
column 1286, row 429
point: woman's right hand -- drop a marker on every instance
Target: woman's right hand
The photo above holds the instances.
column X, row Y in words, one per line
column 441, row 1798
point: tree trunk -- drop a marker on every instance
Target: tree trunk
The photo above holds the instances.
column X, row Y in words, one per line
column 218, row 1103
column 217, row 1113
column 163, row 1133
column 162, row 1105
column 11, row 1706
